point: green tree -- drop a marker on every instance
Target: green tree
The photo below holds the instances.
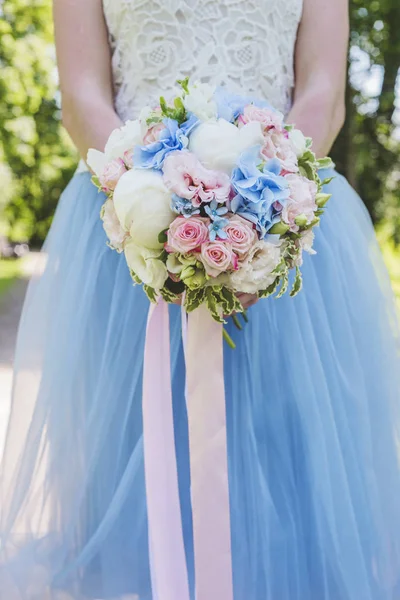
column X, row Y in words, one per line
column 34, row 149
column 367, row 151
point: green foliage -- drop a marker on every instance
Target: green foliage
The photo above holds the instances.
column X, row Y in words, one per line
column 34, row 149
column 10, row 270
column 368, row 150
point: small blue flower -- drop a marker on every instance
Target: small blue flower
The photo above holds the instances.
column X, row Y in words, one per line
column 231, row 106
column 261, row 191
column 173, row 137
column 183, row 207
column 213, row 211
column 216, row 228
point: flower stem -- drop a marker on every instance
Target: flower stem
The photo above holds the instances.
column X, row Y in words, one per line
column 228, row 339
column 245, row 317
column 238, row 324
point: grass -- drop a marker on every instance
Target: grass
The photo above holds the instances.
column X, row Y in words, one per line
column 391, row 254
column 9, row 271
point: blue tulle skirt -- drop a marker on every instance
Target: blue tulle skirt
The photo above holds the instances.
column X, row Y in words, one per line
column 313, row 409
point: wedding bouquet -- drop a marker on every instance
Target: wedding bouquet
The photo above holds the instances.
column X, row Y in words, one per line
column 210, row 195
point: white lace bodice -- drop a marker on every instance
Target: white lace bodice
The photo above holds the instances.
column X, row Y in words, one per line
column 245, row 44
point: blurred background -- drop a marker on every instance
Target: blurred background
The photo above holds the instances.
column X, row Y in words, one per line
column 37, row 159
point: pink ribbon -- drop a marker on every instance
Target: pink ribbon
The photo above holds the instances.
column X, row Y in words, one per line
column 205, row 399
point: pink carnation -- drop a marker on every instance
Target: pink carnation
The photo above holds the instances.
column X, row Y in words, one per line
column 185, row 235
column 241, row 235
column 277, row 145
column 269, row 119
column 186, row 176
column 217, row 257
column 128, row 158
column 301, row 200
column 116, row 235
column 111, row 174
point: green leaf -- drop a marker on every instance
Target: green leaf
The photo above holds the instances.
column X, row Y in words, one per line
column 270, row 289
column 297, row 284
column 168, row 295
column 194, row 298
column 163, row 237
column 325, row 163
column 164, row 107
column 96, row 181
column 230, row 302
column 150, row 293
column 214, row 303
column 284, row 286
column 327, row 180
column 135, row 278
column 306, row 170
column 184, row 83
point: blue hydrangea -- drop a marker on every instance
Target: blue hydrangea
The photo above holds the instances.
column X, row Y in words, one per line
column 231, row 106
column 261, row 191
column 173, row 137
column 183, row 206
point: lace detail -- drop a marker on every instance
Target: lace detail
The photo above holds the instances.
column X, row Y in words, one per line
column 245, row 44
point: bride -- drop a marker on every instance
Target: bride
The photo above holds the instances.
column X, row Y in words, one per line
column 312, row 390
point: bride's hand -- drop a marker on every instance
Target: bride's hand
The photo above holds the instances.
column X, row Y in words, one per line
column 247, row 300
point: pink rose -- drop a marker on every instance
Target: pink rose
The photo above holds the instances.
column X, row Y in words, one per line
column 217, row 257
column 277, row 145
column 185, row 175
column 112, row 173
column 241, row 235
column 301, row 200
column 185, row 235
column 153, row 133
column 269, row 119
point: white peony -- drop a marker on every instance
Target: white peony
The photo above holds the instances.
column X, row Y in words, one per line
column 143, row 206
column 200, row 101
column 254, row 272
column 146, row 265
column 218, row 144
column 298, row 141
column 96, row 161
column 125, row 138
column 120, row 141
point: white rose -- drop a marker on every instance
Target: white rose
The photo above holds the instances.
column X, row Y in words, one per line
column 218, row 144
column 255, row 272
column 143, row 206
column 200, row 101
column 125, row 138
column 145, row 264
column 298, row 141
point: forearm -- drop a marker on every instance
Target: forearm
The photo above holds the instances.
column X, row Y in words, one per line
column 319, row 112
column 88, row 120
